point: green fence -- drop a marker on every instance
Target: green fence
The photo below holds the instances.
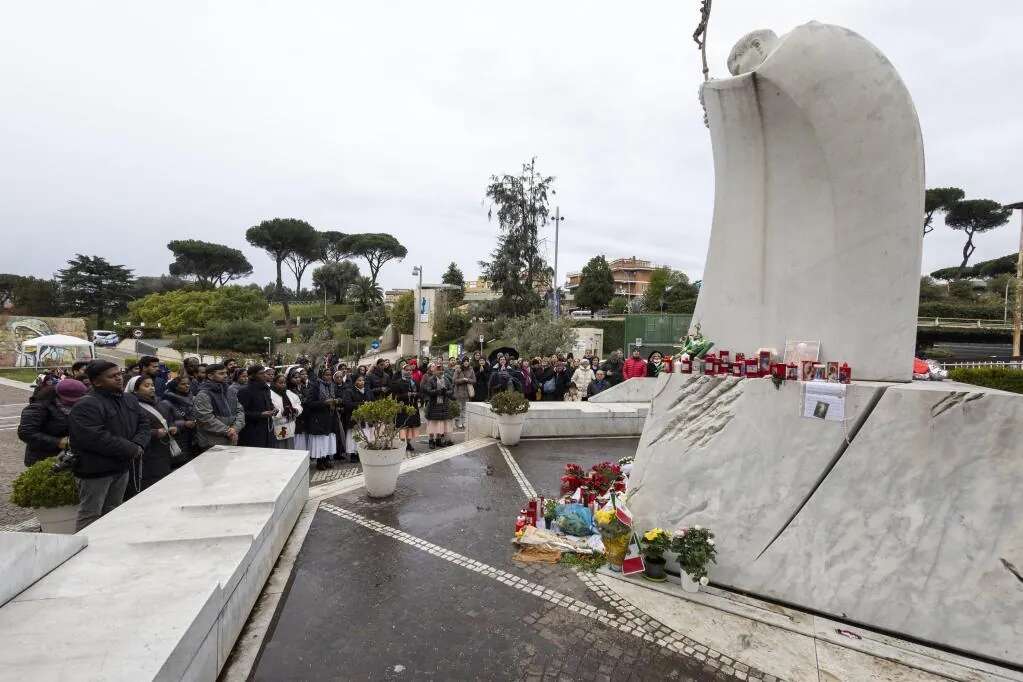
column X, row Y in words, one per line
column 655, row 332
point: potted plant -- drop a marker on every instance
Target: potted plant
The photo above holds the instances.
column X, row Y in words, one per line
column 653, row 545
column 695, row 549
column 53, row 496
column 381, row 458
column 510, row 408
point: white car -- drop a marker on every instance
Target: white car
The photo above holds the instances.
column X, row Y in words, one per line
column 580, row 314
column 103, row 337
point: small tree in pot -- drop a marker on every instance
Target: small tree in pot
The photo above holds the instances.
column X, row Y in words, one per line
column 53, row 495
column 376, row 430
column 510, row 408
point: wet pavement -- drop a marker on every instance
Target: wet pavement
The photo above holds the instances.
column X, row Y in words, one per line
column 422, row 586
column 12, row 453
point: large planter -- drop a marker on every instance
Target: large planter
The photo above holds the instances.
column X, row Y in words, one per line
column 58, row 519
column 509, row 426
column 653, row 569
column 688, row 584
column 380, row 469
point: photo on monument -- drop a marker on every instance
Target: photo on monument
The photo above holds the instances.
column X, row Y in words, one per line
column 797, row 351
column 833, row 371
column 820, row 372
column 806, row 370
column 820, row 411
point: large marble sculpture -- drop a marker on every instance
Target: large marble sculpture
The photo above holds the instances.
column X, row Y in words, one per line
column 819, row 175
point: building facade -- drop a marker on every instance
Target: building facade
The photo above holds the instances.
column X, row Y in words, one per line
column 631, row 276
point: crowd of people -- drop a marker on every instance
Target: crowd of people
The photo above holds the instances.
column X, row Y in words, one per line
column 122, row 430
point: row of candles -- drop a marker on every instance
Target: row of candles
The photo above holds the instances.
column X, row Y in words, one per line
column 761, row 365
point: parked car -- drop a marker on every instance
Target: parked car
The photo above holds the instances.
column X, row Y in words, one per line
column 104, row 337
column 580, row 314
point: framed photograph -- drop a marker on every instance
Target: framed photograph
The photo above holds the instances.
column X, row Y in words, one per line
column 764, row 356
column 820, row 371
column 833, row 371
column 820, row 410
column 806, row 370
column 797, row 351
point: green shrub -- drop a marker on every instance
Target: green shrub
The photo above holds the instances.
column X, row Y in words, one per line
column 509, row 402
column 187, row 310
column 964, row 310
column 37, row 486
column 991, row 377
column 239, row 336
column 379, row 416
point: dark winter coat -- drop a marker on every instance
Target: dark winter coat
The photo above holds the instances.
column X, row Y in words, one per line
column 178, row 409
column 482, row 371
column 317, row 413
column 406, row 393
column 107, row 429
column 561, row 381
column 156, row 460
column 351, row 400
column 43, row 424
column 502, row 380
column 378, row 381
column 254, row 397
column 216, row 410
column 596, row 386
column 438, row 392
column 613, row 371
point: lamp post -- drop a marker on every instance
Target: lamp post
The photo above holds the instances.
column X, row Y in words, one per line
column 1017, row 310
column 557, row 225
column 417, row 271
column 267, row 339
column 197, row 346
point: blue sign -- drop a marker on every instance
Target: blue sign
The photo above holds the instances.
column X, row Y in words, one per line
column 375, row 344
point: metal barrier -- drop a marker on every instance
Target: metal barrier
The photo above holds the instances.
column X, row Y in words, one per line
column 1007, row 364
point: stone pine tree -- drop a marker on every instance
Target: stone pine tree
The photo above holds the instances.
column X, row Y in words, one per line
column 212, row 265
column 336, row 278
column 596, row 285
column 376, row 249
column 90, row 285
column 335, row 246
column 453, row 276
column 939, row 200
column 516, row 268
column 302, row 257
column 670, row 291
column 974, row 216
column 280, row 237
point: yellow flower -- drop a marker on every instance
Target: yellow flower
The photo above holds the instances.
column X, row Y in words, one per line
column 604, row 516
column 652, row 534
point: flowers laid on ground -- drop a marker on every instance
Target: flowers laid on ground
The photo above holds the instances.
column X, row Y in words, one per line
column 614, row 522
column 695, row 549
column 597, row 482
column 626, row 460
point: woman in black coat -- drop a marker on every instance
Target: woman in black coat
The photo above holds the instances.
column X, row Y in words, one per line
column 177, row 408
column 319, row 402
column 405, row 391
column 156, row 459
column 439, row 392
column 354, row 396
column 482, row 370
column 44, row 422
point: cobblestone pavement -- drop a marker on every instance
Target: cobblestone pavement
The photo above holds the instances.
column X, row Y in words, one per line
column 12, row 452
column 422, row 586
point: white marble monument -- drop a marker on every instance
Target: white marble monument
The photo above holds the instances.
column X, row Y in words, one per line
column 819, row 177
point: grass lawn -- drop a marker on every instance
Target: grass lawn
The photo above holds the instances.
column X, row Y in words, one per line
column 308, row 310
column 24, row 374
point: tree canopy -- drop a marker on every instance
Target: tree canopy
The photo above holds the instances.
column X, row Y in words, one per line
column 939, row 200
column 366, row 293
column 29, row 295
column 596, row 285
column 974, row 216
column 90, row 285
column 280, row 237
column 670, row 291
column 516, row 268
column 376, row 249
column 454, row 277
column 301, row 257
column 212, row 265
column 540, row 334
column 190, row 310
column 403, row 313
column 335, row 246
column 336, row 278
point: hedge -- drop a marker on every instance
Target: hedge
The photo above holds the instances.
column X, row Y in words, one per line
column 970, row 311
column 991, row 377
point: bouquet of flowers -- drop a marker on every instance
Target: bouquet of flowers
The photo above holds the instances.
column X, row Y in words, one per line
column 604, row 476
column 695, row 548
column 615, row 525
column 655, row 543
column 574, row 478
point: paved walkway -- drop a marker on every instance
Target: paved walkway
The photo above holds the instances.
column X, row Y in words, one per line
column 12, row 453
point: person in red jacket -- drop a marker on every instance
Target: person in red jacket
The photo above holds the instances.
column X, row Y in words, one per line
column 634, row 366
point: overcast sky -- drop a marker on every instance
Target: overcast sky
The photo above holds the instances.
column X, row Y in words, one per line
column 124, row 125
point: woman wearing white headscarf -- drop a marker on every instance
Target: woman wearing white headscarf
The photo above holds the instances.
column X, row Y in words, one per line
column 156, row 460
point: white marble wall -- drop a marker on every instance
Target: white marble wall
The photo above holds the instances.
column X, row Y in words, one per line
column 27, row 557
column 819, row 189
column 554, row 419
column 916, row 529
column 170, row 576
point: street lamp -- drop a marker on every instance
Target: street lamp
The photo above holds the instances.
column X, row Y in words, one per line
column 197, row 346
column 417, row 271
column 1017, row 313
column 267, row 339
column 557, row 224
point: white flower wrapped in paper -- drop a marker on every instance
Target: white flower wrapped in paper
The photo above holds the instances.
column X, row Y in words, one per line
column 704, row 581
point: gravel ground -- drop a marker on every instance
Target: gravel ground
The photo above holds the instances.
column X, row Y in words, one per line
column 12, row 452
